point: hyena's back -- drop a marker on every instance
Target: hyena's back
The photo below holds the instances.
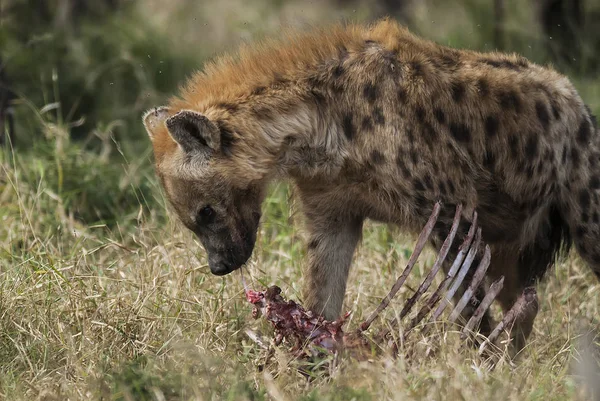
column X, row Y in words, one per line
column 494, row 132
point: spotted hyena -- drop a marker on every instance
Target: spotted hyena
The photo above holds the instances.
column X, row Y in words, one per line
column 372, row 122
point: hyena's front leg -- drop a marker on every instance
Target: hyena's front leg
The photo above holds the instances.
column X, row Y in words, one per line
column 331, row 245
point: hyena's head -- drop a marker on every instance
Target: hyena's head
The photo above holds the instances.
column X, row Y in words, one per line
column 192, row 162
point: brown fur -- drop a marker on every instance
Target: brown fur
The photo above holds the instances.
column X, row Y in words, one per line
column 373, row 122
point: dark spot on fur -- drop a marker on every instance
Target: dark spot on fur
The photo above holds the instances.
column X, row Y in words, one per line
column 451, row 186
column 491, row 125
column 377, row 157
column 420, row 113
column 429, row 133
column 449, row 60
column 531, row 147
column 402, row 96
column 417, row 68
column 338, row 71
column 414, row 157
column 423, row 205
column 314, row 243
column 259, row 90
column 502, row 64
column 584, row 199
column 460, row 132
column 370, row 92
column 584, row 131
column 513, row 143
column 510, row 100
column 563, row 158
column 585, row 217
column 279, row 80
column 378, row 116
column 230, row 107
column 458, row 91
column 418, row 185
column 428, row 182
column 489, row 160
column 367, row 124
column 555, row 110
column 594, row 182
column 580, row 231
column 595, row 217
column 348, row 127
column 442, row 188
column 401, row 165
column 318, row 96
column 575, row 157
column 483, row 87
column 409, row 135
column 227, row 141
column 542, row 113
column 439, row 115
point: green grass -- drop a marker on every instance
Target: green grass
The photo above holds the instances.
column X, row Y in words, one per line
column 104, row 296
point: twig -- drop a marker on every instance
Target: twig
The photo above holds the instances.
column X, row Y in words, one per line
column 423, row 237
column 477, row 278
column 527, row 297
column 491, row 294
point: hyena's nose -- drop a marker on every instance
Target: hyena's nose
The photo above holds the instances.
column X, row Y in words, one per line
column 218, row 267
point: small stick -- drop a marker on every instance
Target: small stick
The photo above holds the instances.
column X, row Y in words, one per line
column 459, row 278
column 491, row 294
column 527, row 297
column 423, row 237
column 435, row 297
column 436, row 266
column 477, row 278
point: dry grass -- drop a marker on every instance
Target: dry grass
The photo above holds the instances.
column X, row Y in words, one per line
column 131, row 312
column 126, row 309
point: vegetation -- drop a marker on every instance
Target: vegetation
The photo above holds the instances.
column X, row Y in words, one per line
column 103, row 296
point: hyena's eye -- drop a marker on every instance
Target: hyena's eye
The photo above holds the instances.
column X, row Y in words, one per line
column 205, row 216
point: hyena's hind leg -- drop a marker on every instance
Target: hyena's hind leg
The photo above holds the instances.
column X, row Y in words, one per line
column 584, row 223
column 524, row 265
column 581, row 196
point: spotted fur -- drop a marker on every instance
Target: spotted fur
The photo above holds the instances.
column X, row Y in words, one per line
column 372, row 122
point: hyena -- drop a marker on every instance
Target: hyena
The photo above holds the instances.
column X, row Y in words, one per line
column 373, row 122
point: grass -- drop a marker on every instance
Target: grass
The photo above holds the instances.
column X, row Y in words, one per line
column 104, row 296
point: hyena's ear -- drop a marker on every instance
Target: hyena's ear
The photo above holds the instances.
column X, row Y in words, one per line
column 154, row 119
column 193, row 131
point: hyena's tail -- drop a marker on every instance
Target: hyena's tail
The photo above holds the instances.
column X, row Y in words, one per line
column 581, row 197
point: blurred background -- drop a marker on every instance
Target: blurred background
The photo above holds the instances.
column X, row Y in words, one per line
column 100, row 290
column 76, row 75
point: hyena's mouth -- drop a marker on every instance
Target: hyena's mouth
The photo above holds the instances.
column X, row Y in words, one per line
column 221, row 267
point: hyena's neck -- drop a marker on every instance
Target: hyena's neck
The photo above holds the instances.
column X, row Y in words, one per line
column 303, row 145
